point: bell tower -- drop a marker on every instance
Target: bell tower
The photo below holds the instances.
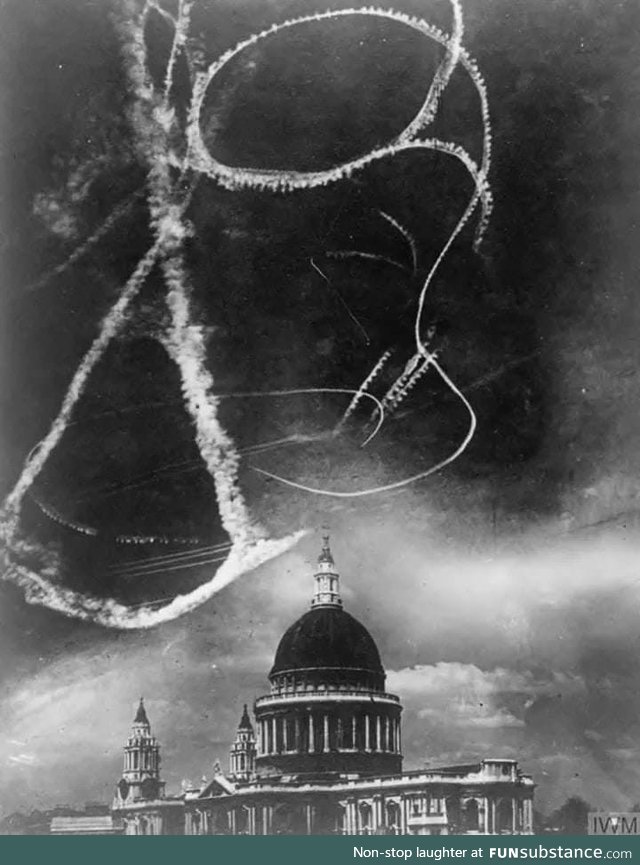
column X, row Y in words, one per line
column 242, row 760
column 141, row 772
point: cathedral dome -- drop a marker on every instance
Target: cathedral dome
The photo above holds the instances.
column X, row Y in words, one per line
column 327, row 637
column 328, row 711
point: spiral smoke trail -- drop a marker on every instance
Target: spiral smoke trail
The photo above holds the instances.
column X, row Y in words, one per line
column 154, row 123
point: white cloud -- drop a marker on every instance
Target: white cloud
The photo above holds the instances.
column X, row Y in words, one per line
column 455, row 678
column 23, row 759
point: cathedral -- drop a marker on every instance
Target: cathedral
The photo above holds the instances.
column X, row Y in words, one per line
column 322, row 754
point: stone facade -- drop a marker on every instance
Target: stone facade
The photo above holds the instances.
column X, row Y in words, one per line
column 326, row 753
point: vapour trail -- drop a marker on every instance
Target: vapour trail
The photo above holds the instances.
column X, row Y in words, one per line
column 471, row 206
column 152, row 561
column 119, row 211
column 250, row 549
column 175, row 566
column 181, row 27
column 429, row 108
column 112, row 614
column 405, row 481
column 407, row 236
column 371, row 256
column 353, row 317
column 184, row 340
column 111, row 326
column 310, row 390
column 362, row 391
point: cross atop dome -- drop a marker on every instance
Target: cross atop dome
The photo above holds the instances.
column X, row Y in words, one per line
column 327, row 579
column 325, row 554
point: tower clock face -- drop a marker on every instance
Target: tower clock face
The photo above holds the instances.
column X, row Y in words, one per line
column 123, row 788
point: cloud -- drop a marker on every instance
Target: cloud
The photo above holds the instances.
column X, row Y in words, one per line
column 474, row 715
column 451, row 678
column 23, row 759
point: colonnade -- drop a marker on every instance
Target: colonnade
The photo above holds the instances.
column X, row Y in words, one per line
column 370, row 815
column 321, row 732
column 140, row 757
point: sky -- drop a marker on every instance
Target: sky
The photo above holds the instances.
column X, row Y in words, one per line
column 502, row 590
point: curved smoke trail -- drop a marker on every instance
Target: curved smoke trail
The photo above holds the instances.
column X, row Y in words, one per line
column 154, row 121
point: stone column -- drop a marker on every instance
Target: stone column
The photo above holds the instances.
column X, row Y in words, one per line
column 326, row 733
column 367, row 744
column 353, row 732
column 274, row 734
column 355, row 818
column 378, row 818
column 348, row 818
column 309, row 810
column 311, row 742
column 387, row 734
column 298, row 741
column 378, row 733
column 527, row 816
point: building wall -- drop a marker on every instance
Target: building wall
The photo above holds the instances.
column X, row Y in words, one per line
column 432, row 809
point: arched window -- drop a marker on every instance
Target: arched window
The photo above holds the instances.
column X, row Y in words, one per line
column 365, row 815
column 393, row 818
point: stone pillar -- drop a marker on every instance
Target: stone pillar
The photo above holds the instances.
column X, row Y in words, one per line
column 353, row 731
column 378, row 733
column 483, row 825
column 326, row 733
column 274, row 734
column 298, row 741
column 367, row 743
column 285, row 734
column 311, row 737
column 387, row 734
column 378, row 817
column 527, row 816
column 348, row 818
column 309, row 810
column 355, row 823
